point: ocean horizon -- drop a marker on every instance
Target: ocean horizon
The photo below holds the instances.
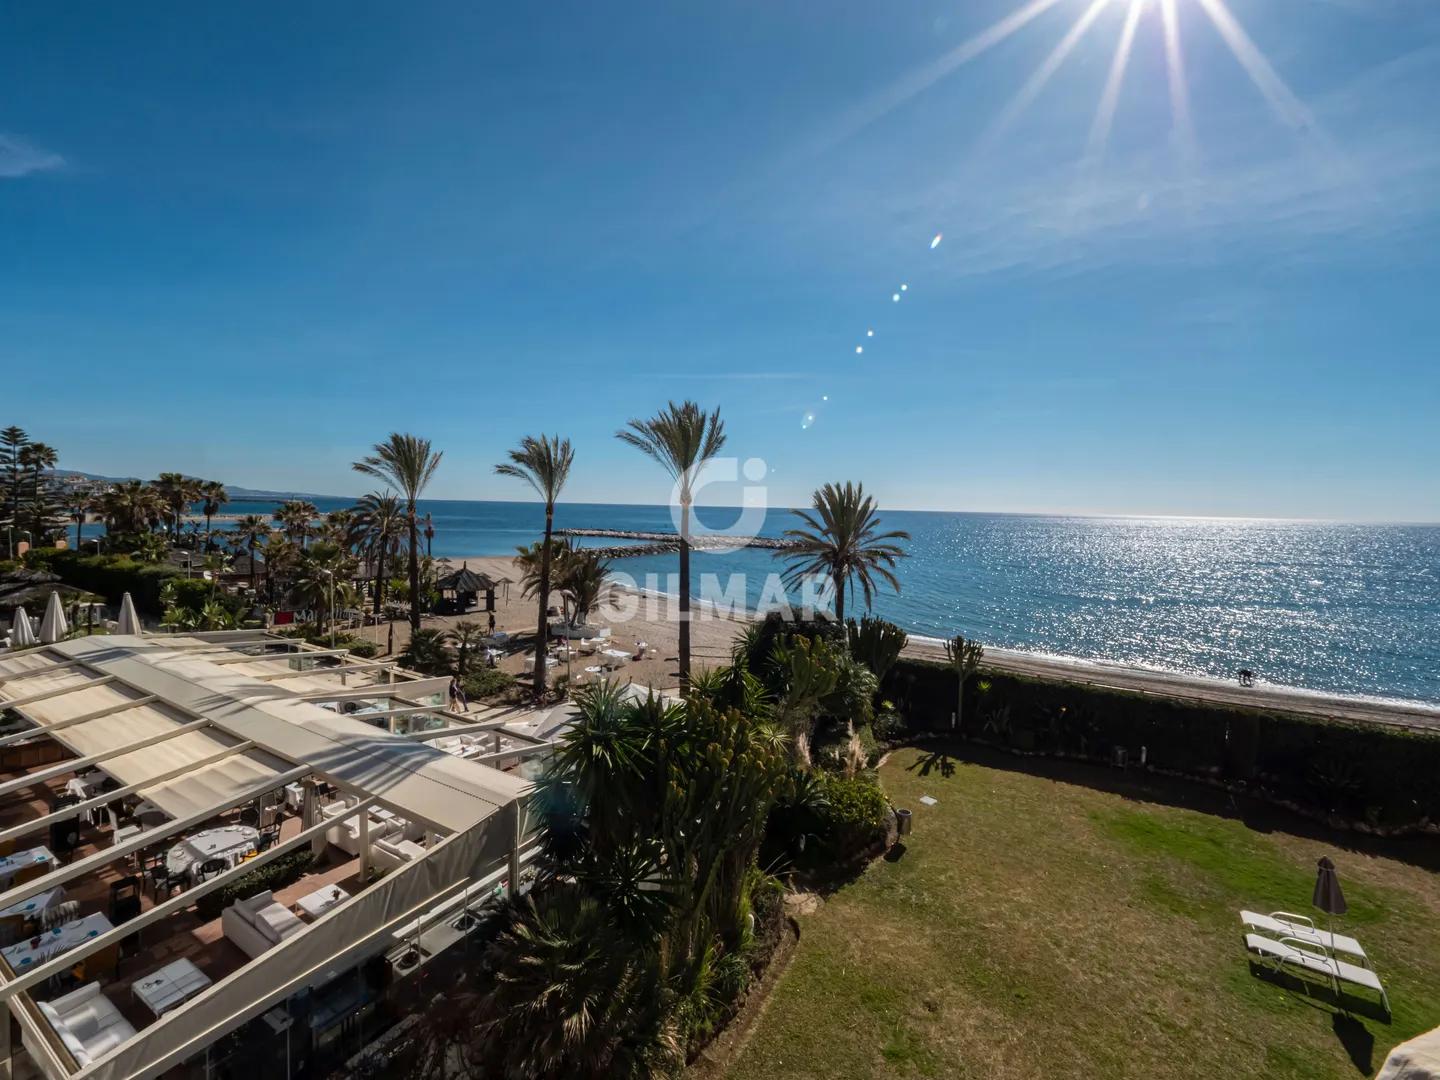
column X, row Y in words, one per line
column 1333, row 607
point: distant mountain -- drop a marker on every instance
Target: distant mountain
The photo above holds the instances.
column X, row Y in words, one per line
column 76, row 476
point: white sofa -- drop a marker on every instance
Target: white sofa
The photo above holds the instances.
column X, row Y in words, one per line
column 346, row 834
column 260, row 923
column 393, row 853
column 87, row 1022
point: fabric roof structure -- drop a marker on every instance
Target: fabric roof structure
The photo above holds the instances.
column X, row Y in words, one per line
column 136, row 688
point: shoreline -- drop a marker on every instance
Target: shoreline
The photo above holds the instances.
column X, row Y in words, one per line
column 713, row 630
column 1110, row 674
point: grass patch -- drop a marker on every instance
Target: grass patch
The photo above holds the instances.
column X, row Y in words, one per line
column 1035, row 927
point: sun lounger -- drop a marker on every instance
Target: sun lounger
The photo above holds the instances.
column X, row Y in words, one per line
column 1307, row 956
column 1279, row 924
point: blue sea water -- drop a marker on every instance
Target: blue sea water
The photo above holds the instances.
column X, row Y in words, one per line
column 1343, row 608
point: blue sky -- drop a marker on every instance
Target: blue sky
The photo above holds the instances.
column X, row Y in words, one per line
column 246, row 241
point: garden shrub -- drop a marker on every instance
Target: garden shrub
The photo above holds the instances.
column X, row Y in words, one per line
column 852, row 819
column 110, row 576
column 286, row 870
column 484, row 682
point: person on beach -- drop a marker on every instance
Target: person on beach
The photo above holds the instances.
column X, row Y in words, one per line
column 492, row 624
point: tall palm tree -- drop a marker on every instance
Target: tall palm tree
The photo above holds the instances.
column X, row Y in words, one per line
column 131, row 507
column 37, row 457
column 297, row 518
column 842, row 541
column 177, row 491
column 322, row 580
column 80, row 501
column 408, row 464
column 213, row 496
column 681, row 438
column 250, row 531
column 544, row 464
column 375, row 529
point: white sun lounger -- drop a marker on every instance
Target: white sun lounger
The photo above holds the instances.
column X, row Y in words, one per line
column 1281, row 924
column 1299, row 953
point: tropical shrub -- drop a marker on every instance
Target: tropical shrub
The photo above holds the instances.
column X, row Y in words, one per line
column 488, row 682
column 286, row 870
column 652, row 813
column 876, row 643
column 854, row 815
column 110, row 576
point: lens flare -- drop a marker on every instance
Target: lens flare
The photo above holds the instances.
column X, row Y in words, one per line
column 936, row 242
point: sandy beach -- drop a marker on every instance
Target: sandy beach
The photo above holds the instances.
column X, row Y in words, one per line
column 634, row 618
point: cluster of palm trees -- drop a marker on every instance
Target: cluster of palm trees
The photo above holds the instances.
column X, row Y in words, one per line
column 840, row 539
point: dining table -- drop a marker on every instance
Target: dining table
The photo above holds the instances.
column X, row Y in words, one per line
column 48, row 944
column 21, row 866
column 229, row 842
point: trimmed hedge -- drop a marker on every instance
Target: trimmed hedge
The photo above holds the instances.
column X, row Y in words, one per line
column 110, row 576
column 286, row 870
column 1383, row 777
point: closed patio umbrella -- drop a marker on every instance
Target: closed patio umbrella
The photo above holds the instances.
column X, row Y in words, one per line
column 21, row 632
column 53, row 627
column 1328, row 897
column 129, row 622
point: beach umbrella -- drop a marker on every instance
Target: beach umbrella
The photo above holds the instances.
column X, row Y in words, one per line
column 1328, row 897
column 129, row 621
column 53, row 627
column 21, row 633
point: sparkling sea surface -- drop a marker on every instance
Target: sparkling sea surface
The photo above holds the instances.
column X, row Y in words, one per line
column 1344, row 608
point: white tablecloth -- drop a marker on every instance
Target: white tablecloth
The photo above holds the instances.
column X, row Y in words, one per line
column 230, row 842
column 10, row 865
column 35, row 905
column 51, row 943
column 172, row 985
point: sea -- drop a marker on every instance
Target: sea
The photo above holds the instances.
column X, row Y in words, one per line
column 1350, row 609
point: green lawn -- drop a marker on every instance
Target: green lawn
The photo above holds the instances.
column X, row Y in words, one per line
column 1037, row 927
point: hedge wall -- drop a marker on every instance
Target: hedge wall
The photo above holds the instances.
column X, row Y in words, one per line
column 1387, row 778
column 111, row 576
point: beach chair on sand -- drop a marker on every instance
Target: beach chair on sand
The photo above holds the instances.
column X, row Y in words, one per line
column 1281, row 924
column 1305, row 955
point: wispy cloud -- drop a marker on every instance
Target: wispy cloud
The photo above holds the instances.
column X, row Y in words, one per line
column 18, row 158
column 1016, row 208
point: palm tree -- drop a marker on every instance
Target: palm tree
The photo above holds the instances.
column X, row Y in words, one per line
column 406, row 463
column 681, row 438
column 323, row 581
column 213, row 496
column 375, row 528
column 79, row 502
column 131, row 507
column 296, row 517
column 583, row 582
column 37, row 457
column 544, row 464
column 841, row 541
column 466, row 636
column 250, row 530
column 177, row 491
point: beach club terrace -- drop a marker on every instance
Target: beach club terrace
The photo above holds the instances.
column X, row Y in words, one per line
column 226, row 854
